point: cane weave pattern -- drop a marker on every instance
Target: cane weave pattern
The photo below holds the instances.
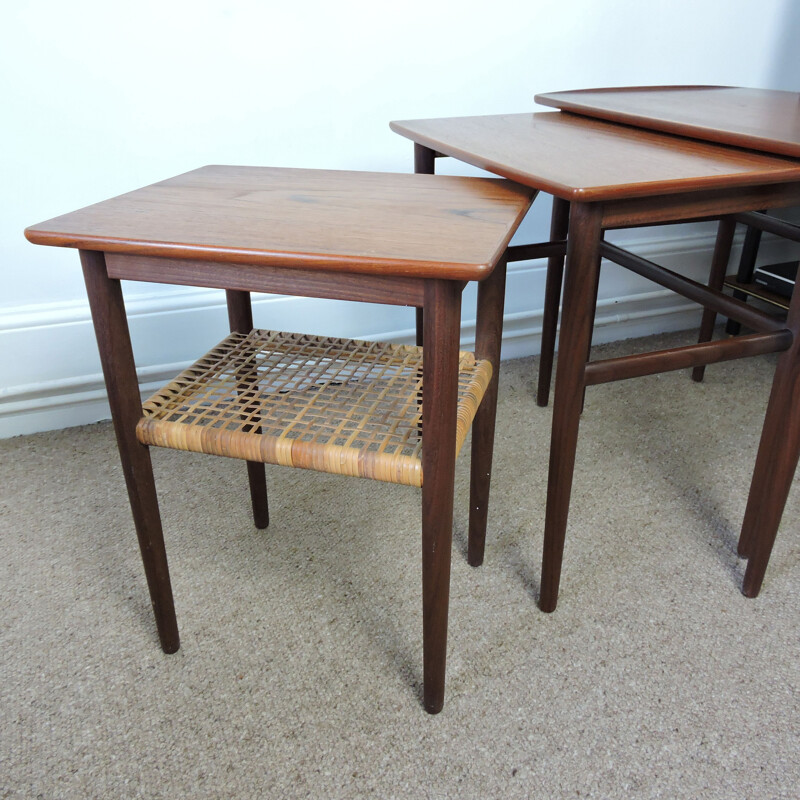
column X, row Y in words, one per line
column 334, row 405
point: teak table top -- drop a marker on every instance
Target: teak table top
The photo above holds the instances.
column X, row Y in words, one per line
column 761, row 119
column 583, row 159
column 362, row 222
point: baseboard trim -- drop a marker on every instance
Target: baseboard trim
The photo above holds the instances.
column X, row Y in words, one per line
column 79, row 400
column 58, row 339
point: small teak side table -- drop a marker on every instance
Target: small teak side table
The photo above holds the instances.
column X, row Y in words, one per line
column 390, row 412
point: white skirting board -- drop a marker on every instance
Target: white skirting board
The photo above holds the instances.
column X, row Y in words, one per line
column 51, row 372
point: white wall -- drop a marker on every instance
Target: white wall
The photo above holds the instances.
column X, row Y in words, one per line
column 99, row 98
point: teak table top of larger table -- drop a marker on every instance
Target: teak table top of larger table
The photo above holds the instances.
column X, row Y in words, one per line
column 761, row 119
column 582, row 159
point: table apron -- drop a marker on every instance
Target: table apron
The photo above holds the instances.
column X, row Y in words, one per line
column 386, row 289
column 698, row 204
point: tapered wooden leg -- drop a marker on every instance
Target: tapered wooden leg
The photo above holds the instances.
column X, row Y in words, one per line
column 424, row 159
column 583, row 251
column 595, row 292
column 439, row 403
column 488, row 338
column 116, row 357
column 559, row 226
column 747, row 266
column 240, row 317
column 719, row 266
column 424, row 164
column 776, row 461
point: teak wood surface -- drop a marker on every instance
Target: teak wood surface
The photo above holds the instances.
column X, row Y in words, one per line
column 356, row 222
column 609, row 175
column 761, row 119
column 371, row 237
column 582, row 159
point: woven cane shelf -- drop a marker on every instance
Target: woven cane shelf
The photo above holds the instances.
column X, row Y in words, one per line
column 334, row 405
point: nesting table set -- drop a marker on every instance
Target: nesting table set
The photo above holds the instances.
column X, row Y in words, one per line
column 400, row 413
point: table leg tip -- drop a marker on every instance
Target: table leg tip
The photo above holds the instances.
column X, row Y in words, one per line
column 750, row 591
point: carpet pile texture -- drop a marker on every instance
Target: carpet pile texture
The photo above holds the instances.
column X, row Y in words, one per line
column 300, row 669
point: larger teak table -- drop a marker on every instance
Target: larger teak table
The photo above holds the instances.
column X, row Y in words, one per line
column 604, row 175
column 390, row 412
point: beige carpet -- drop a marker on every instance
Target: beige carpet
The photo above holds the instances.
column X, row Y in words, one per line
column 300, row 668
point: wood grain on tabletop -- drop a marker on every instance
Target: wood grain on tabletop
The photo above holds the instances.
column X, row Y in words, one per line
column 453, row 228
column 761, row 119
column 583, row 159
